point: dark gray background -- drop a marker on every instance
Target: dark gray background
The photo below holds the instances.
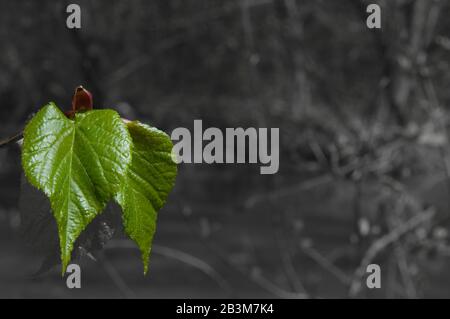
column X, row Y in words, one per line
column 364, row 155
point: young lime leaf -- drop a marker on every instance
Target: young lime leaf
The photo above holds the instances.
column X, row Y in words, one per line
column 150, row 178
column 79, row 164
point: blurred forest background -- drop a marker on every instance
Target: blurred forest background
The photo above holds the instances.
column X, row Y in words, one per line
column 364, row 131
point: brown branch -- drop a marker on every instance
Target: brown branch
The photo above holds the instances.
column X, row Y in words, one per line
column 12, row 139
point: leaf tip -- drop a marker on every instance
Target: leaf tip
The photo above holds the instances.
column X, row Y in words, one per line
column 64, row 268
column 145, row 260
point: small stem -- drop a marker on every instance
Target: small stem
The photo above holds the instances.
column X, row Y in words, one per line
column 13, row 139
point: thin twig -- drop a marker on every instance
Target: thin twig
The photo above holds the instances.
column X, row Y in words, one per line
column 12, row 139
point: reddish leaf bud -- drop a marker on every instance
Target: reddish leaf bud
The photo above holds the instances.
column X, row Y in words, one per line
column 82, row 100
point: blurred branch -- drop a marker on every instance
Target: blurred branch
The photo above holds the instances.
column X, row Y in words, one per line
column 382, row 243
column 229, row 7
column 121, row 73
column 115, row 276
column 370, row 164
column 433, row 19
column 284, row 251
column 402, row 262
column 254, row 274
column 326, row 264
column 181, row 256
column 247, row 23
column 440, row 122
column 306, row 185
column 134, row 65
column 312, row 183
column 257, row 277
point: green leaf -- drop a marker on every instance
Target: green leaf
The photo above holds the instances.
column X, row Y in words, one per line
column 150, row 178
column 79, row 164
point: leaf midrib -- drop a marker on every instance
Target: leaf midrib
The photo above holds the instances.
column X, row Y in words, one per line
column 69, row 187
